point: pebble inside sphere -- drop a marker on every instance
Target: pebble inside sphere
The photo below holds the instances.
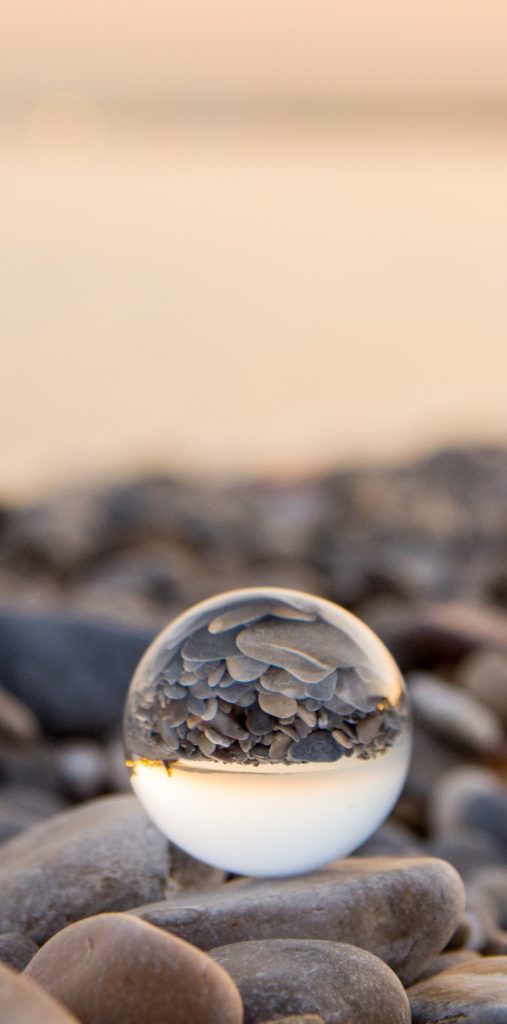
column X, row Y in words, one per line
column 267, row 731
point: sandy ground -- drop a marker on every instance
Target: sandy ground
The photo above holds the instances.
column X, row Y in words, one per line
column 239, row 296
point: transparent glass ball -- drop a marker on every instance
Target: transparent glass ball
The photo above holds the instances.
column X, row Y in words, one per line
column 267, row 731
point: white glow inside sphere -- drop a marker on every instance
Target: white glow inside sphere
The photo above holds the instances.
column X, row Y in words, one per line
column 267, row 731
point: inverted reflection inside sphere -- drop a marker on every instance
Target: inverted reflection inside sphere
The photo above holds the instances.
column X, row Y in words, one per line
column 267, row 731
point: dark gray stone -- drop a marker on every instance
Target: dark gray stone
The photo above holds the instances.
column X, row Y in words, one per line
column 403, row 910
column 72, row 673
column 468, row 851
column 16, row 950
column 342, row 984
column 470, row 798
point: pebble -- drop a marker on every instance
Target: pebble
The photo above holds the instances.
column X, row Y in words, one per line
column 446, row 960
column 424, row 634
column 403, row 910
column 103, row 855
column 22, row 1001
column 310, row 651
column 484, row 673
column 17, row 721
column 455, row 715
column 16, row 950
column 83, row 769
column 474, row 992
column 468, row 850
column 21, row 807
column 392, row 839
column 186, row 872
column 72, row 673
column 297, row 1018
column 114, row 967
column 470, row 798
column 277, row 704
column 342, row 984
column 488, row 888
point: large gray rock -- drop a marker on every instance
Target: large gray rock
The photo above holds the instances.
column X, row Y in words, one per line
column 341, row 983
column 404, row 910
column 22, row 1001
column 471, row 993
column 113, row 968
column 103, row 855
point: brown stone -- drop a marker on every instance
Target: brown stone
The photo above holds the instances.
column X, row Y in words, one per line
column 22, row 1001
column 472, row 993
column 114, row 967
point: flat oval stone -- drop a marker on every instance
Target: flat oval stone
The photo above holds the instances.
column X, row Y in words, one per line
column 22, row 1001
column 310, row 651
column 114, row 967
column 403, row 910
column 102, row 855
column 243, row 669
column 471, row 993
column 278, row 705
column 342, row 984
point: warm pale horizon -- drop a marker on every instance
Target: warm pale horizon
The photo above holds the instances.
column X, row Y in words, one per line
column 308, row 273
column 230, row 51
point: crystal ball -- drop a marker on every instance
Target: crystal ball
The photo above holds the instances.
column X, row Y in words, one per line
column 267, row 731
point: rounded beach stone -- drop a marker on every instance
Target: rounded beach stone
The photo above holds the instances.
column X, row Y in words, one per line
column 403, row 910
column 114, row 967
column 454, row 714
column 472, row 993
column 22, row 1001
column 343, row 984
column 447, row 960
column 16, row 950
column 103, row 855
column 470, row 798
column 484, row 673
column 468, row 850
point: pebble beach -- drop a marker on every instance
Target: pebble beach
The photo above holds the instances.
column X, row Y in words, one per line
column 102, row 919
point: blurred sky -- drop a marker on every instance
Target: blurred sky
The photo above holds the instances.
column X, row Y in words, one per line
column 249, row 238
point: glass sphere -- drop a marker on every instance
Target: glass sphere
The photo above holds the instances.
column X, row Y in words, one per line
column 267, row 731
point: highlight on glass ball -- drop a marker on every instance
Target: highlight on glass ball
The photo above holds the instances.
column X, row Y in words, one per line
column 267, row 731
